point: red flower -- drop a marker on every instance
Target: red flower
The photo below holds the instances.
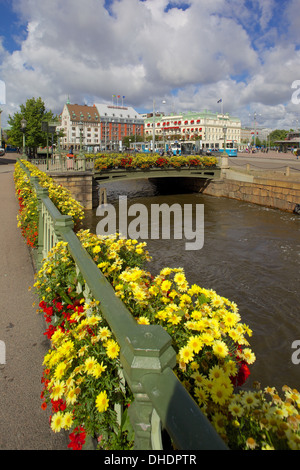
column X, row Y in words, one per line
column 77, row 438
column 242, row 375
column 58, row 405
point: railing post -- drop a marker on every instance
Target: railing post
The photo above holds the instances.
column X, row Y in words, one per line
column 147, row 351
column 62, row 224
column 40, row 193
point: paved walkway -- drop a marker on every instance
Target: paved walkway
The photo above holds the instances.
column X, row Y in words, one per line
column 23, row 424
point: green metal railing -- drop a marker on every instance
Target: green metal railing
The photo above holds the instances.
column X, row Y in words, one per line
column 146, row 353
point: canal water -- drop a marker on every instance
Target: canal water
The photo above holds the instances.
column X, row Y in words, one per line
column 251, row 255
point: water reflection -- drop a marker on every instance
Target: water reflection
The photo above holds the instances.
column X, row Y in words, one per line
column 251, row 255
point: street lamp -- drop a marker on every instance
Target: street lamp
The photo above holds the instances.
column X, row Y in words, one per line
column 254, row 117
column 225, row 132
column 81, row 155
column 153, row 130
column 23, row 129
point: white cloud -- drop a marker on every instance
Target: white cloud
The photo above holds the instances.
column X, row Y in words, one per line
column 145, row 50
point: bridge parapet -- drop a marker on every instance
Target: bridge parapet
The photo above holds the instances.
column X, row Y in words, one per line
column 147, row 356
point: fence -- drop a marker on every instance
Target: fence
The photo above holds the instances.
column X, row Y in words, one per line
column 146, row 353
column 63, row 163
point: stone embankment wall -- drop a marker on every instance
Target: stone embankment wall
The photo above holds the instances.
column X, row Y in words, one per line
column 280, row 193
column 276, row 193
column 82, row 186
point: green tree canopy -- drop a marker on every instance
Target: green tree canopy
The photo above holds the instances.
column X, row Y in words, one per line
column 131, row 138
column 34, row 112
column 278, row 134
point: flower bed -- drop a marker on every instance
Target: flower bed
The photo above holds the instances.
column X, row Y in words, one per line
column 142, row 161
column 28, row 203
column 81, row 382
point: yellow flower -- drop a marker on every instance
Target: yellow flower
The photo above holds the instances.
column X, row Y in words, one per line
column 174, row 319
column 143, row 321
column 216, row 372
column 161, row 315
column 179, row 278
column 220, row 349
column 104, row 333
column 67, row 420
column 200, row 379
column 166, row 286
column 236, row 409
column 98, row 369
column 230, row 319
column 89, row 364
column 251, row 443
column 166, row 271
column 71, row 397
column 57, row 390
column 112, row 349
column 248, row 355
column 219, row 422
column 57, row 422
column 219, row 393
column 60, row 370
column 195, row 343
column 102, row 402
column 249, row 400
column 207, row 339
column 186, row 354
column 201, row 395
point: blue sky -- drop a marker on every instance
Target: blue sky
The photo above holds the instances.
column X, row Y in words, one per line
column 188, row 54
column 13, row 30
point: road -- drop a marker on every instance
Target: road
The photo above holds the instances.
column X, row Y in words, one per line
column 271, row 165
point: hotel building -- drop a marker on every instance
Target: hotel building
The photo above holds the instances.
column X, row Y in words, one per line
column 210, row 128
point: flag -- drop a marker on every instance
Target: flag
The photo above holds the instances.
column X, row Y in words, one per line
column 220, row 101
column 113, row 96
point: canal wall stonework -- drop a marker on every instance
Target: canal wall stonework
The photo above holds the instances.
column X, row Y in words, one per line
column 81, row 185
column 278, row 194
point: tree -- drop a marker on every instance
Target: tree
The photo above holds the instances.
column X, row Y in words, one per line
column 34, row 112
column 131, row 139
column 278, row 134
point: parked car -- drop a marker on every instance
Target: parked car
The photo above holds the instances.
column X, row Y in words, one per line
column 2, row 152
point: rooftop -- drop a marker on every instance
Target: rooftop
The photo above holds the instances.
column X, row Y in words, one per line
column 120, row 112
column 83, row 113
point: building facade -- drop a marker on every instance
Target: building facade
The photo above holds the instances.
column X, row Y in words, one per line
column 81, row 125
column 210, row 128
column 98, row 127
column 118, row 122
